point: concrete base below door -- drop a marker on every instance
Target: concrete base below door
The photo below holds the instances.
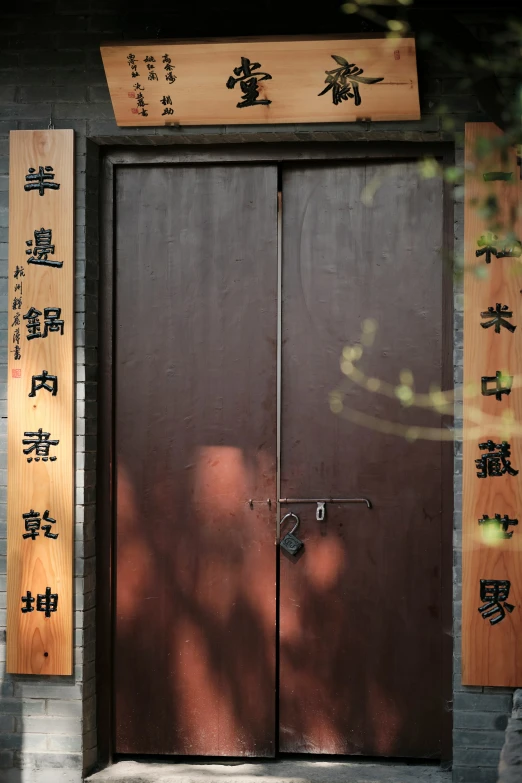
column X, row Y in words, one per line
column 272, row 772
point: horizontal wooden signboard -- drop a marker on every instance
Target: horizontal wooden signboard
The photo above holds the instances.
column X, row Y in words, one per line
column 492, row 454
column 40, row 403
column 254, row 81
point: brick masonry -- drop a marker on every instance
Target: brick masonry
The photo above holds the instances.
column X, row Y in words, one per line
column 50, row 67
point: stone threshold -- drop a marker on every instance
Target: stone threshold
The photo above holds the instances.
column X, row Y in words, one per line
column 277, row 771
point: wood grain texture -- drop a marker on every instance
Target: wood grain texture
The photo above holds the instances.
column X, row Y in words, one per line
column 491, row 654
column 360, row 612
column 199, row 94
column 37, row 644
column 195, row 439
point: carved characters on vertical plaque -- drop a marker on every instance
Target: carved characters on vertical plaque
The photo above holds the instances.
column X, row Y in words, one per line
column 501, row 385
column 497, row 527
column 38, row 444
column 41, row 180
column 41, row 248
column 494, row 255
column 40, row 457
column 494, row 462
column 16, row 306
column 498, row 318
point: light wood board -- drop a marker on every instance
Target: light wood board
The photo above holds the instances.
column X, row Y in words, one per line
column 199, row 71
column 36, row 643
column 491, row 653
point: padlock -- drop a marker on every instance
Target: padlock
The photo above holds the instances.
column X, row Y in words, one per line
column 290, row 543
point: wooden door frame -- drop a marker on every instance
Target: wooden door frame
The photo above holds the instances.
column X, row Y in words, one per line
column 242, row 153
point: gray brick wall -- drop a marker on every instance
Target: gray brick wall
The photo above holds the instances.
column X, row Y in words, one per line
column 48, row 726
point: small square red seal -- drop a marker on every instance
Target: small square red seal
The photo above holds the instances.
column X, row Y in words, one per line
column 16, row 373
column 134, row 111
column 131, row 94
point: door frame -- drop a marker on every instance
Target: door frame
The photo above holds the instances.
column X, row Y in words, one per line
column 105, row 527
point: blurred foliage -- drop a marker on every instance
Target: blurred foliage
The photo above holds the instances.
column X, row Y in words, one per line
column 490, row 68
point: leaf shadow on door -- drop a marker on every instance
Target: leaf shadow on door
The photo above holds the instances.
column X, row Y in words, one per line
column 360, row 614
column 195, row 639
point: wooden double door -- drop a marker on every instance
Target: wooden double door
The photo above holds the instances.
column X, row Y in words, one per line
column 291, row 309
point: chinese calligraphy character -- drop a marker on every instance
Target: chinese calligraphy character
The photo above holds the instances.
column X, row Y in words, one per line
column 152, row 76
column 140, row 101
column 248, row 77
column 344, row 81
column 495, row 593
column 32, row 525
column 44, row 603
column 503, row 384
column 52, row 322
column 167, row 102
column 497, row 318
column 19, row 272
column 41, row 181
column 17, row 354
column 44, row 381
column 39, row 443
column 28, row 600
column 495, row 462
column 16, row 335
column 131, row 59
column 47, row 603
column 486, row 244
column 486, row 248
column 169, row 76
column 42, row 248
column 47, row 527
column 17, row 303
column 497, row 527
column 33, row 323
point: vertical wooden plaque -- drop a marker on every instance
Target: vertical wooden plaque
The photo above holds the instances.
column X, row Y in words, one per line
column 491, row 544
column 40, row 403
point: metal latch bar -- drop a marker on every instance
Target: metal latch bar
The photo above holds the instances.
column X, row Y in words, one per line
column 326, row 500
